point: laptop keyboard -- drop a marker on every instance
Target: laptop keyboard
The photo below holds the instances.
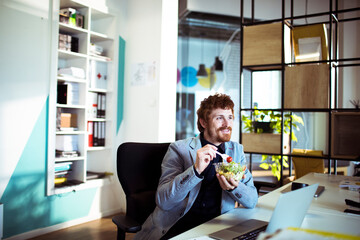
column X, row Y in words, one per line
column 251, row 235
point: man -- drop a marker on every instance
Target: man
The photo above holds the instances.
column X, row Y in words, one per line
column 190, row 192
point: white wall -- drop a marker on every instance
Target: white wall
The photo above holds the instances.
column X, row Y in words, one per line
column 151, row 40
column 24, row 76
column 150, row 31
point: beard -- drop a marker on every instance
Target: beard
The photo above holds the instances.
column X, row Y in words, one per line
column 221, row 137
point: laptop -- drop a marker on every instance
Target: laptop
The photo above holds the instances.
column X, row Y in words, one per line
column 290, row 211
column 318, row 192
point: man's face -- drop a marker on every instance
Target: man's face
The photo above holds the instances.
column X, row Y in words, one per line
column 218, row 128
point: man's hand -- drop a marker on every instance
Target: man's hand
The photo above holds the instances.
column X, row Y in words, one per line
column 225, row 184
column 204, row 156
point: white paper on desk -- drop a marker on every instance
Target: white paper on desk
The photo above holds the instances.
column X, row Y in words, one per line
column 351, row 184
column 201, row 238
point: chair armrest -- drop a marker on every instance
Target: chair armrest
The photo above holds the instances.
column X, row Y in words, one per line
column 126, row 224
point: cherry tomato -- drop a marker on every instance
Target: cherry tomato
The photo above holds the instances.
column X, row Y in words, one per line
column 229, row 159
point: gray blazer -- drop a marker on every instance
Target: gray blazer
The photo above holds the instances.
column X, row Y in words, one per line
column 179, row 187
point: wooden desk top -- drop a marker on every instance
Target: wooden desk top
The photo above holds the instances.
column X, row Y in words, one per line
column 325, row 213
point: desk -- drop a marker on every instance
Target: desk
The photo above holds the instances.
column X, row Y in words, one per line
column 325, row 213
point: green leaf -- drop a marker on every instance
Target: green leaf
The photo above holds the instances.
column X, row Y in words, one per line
column 285, row 164
column 264, row 166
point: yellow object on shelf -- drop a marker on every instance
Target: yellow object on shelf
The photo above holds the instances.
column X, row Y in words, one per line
column 60, row 180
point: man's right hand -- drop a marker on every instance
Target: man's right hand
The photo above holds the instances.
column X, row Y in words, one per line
column 204, row 156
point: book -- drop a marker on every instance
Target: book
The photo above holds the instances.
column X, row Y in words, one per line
column 96, row 134
column 62, row 168
column 90, row 129
column 69, row 129
column 103, row 105
column 68, row 93
column 67, row 143
column 102, row 134
column 92, row 105
column 66, row 154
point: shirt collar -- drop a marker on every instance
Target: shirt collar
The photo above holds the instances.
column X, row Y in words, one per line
column 221, row 147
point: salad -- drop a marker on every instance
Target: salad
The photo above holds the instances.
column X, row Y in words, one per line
column 230, row 170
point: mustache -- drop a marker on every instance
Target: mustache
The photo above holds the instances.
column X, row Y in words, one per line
column 224, row 128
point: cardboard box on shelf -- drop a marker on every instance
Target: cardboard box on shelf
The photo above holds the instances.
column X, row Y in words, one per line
column 68, row 42
column 68, row 120
column 63, row 18
column 68, row 11
column 79, row 20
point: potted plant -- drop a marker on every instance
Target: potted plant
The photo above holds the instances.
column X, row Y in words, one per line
column 272, row 121
column 262, row 122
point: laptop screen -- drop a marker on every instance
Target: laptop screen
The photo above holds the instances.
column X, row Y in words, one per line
column 291, row 208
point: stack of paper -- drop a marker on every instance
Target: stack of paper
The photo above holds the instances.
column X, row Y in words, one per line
column 74, row 72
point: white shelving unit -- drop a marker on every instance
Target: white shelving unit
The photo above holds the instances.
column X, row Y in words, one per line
column 98, row 28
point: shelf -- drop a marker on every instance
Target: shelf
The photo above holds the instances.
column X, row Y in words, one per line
column 70, row 55
column 99, row 90
column 70, row 79
column 99, row 37
column 69, row 159
column 264, row 67
column 100, row 29
column 100, row 58
column 70, row 132
column 97, row 119
column 66, row 28
column 96, row 148
column 72, row 3
column 345, row 130
column 94, row 183
column 310, row 80
column 70, row 106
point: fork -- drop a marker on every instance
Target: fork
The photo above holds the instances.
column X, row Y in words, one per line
column 223, row 156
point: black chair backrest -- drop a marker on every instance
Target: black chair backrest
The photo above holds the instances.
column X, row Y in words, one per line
column 139, row 170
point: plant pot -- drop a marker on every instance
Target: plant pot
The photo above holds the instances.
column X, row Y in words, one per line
column 265, row 126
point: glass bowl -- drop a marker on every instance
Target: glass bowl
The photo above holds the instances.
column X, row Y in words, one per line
column 230, row 170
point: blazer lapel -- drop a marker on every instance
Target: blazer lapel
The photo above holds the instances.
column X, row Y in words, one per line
column 229, row 148
column 194, row 145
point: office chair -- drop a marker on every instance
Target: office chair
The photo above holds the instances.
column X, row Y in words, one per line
column 305, row 165
column 139, row 170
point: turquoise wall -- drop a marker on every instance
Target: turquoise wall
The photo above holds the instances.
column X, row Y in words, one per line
column 26, row 206
column 120, row 89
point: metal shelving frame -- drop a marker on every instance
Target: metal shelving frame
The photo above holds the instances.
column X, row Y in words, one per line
column 334, row 63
